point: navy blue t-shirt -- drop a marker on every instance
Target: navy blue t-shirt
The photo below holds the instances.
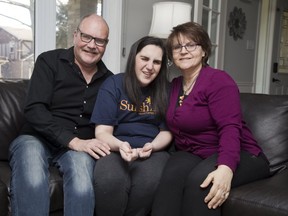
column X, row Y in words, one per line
column 113, row 108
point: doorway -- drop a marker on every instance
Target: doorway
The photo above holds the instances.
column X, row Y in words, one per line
column 279, row 70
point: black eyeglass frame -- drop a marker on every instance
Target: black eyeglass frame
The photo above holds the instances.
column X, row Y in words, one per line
column 98, row 41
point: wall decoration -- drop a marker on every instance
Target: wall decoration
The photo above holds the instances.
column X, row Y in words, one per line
column 237, row 23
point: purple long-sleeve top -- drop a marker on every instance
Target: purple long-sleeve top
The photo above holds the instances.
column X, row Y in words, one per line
column 210, row 119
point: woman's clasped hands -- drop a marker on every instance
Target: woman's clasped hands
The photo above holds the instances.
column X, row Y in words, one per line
column 130, row 154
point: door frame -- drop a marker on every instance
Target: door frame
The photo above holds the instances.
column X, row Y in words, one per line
column 265, row 46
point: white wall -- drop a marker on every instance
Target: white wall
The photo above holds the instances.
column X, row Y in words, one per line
column 239, row 60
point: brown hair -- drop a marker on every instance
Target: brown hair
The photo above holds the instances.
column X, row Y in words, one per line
column 159, row 86
column 196, row 33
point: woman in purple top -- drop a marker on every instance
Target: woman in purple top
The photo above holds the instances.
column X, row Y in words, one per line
column 215, row 150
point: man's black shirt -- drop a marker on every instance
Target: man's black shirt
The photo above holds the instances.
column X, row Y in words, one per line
column 60, row 102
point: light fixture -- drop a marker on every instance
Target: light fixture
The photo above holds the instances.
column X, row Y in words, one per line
column 166, row 15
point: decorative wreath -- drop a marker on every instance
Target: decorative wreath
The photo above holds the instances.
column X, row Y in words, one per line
column 237, row 23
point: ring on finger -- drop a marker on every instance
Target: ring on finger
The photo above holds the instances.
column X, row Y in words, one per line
column 225, row 195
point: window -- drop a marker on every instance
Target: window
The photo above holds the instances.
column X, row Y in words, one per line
column 68, row 14
column 17, row 30
column 283, row 52
column 16, row 38
column 210, row 20
column 210, row 14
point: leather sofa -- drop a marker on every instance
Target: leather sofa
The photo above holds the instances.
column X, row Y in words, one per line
column 266, row 115
column 12, row 98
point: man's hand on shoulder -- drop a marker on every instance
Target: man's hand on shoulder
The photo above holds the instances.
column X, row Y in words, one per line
column 93, row 147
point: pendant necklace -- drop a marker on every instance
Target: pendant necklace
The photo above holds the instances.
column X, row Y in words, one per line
column 182, row 97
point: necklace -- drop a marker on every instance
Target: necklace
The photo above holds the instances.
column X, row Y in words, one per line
column 182, row 97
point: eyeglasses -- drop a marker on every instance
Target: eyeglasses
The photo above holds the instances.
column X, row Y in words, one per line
column 190, row 47
column 87, row 38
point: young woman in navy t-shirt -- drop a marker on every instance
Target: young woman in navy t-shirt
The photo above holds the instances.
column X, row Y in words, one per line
column 129, row 115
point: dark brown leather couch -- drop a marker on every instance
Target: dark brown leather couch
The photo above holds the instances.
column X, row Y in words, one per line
column 12, row 98
column 266, row 115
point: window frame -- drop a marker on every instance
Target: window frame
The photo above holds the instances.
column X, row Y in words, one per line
column 44, row 32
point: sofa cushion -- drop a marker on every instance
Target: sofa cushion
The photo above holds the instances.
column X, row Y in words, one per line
column 3, row 199
column 12, row 98
column 267, row 117
column 267, row 197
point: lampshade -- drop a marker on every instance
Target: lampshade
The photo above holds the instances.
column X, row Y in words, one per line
column 166, row 15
